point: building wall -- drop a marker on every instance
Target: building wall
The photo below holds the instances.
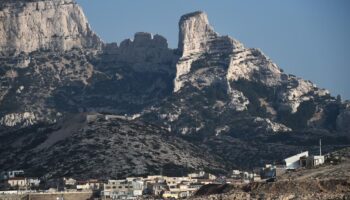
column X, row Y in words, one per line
column 20, row 183
column 293, row 162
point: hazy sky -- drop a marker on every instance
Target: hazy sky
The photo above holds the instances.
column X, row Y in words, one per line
column 308, row 38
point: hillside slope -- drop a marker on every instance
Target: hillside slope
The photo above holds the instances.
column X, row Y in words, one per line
column 91, row 146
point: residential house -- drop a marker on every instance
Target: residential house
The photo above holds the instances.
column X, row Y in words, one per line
column 19, row 182
column 23, row 182
column 123, row 189
column 158, row 188
column 236, row 174
column 91, row 184
column 69, row 181
column 315, row 161
column 182, row 190
column 197, row 174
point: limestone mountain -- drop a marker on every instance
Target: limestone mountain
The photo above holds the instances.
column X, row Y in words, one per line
column 211, row 94
column 221, row 86
column 50, row 75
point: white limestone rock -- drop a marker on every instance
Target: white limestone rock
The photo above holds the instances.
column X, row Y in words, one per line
column 253, row 65
column 221, row 130
column 269, row 126
column 238, row 101
column 18, row 119
column 51, row 25
column 197, row 38
column 298, row 91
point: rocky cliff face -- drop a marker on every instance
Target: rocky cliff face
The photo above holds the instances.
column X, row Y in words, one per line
column 197, row 39
column 224, row 77
column 65, row 68
column 59, row 25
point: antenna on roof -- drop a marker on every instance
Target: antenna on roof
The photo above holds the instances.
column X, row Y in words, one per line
column 320, row 147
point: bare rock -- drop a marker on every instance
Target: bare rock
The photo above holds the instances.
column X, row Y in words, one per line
column 197, row 38
column 51, row 25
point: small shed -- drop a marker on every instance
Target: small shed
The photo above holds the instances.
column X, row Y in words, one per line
column 294, row 162
column 314, row 161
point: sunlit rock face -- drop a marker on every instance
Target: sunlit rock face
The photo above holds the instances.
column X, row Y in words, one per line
column 222, row 76
column 197, row 38
column 60, row 25
column 22, row 119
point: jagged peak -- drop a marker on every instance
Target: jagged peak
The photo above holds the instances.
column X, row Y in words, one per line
column 196, row 14
column 192, row 26
column 145, row 39
column 196, row 38
column 197, row 35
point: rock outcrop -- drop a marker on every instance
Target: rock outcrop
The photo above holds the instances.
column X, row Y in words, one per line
column 59, row 25
column 223, row 76
column 197, row 38
column 22, row 119
column 145, row 53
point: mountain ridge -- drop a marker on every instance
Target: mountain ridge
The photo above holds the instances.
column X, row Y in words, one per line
column 210, row 95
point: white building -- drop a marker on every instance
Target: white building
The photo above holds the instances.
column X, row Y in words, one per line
column 23, row 183
column 91, row 184
column 197, row 174
column 294, row 162
column 182, row 190
column 17, row 182
column 124, row 189
column 69, row 181
column 315, row 160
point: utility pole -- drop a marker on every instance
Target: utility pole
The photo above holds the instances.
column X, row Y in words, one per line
column 320, row 147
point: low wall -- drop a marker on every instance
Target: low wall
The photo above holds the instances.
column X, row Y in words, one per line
column 48, row 196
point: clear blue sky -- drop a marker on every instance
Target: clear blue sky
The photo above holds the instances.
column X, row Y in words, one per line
column 308, row 38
